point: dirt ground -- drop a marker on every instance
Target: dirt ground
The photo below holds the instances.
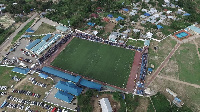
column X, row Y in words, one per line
column 143, row 105
column 97, row 108
column 6, row 21
column 109, row 27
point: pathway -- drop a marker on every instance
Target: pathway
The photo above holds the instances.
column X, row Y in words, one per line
column 197, row 48
column 178, row 81
column 134, row 71
column 8, row 41
column 163, row 64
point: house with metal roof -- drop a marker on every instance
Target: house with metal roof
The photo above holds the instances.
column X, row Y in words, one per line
column 61, row 28
column 64, row 96
column 69, row 87
column 110, row 15
column 125, row 9
column 21, row 70
column 32, row 44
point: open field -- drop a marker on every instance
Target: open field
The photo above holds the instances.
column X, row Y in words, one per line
column 95, row 60
column 138, row 43
column 22, row 31
column 189, row 95
column 6, row 76
column 43, row 29
column 163, row 49
column 161, row 104
column 184, row 64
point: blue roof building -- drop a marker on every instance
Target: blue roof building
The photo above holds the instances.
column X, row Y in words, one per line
column 90, row 84
column 77, row 79
column 58, row 73
column 110, row 15
column 29, row 30
column 194, row 28
column 159, row 26
column 21, row 70
column 119, row 18
column 64, row 96
column 147, row 14
column 32, row 44
column 125, row 9
column 62, row 28
column 46, row 37
column 69, row 87
column 44, row 76
column 38, row 46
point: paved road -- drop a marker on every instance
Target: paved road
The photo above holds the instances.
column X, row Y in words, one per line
column 8, row 41
column 178, row 81
column 163, row 64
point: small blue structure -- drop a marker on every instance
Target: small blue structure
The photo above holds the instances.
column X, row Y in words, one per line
column 21, row 70
column 150, row 69
column 119, row 18
column 69, row 87
column 46, row 37
column 159, row 26
column 29, row 30
column 64, row 96
column 177, row 99
column 44, row 76
column 186, row 14
column 32, row 44
column 125, row 9
column 110, row 15
column 146, row 42
column 147, row 14
column 3, row 104
column 91, row 24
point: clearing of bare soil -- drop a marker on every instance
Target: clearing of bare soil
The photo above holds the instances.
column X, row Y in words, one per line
column 109, row 27
column 97, row 108
column 143, row 105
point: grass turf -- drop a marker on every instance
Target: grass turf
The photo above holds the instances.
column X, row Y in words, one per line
column 43, row 29
column 138, row 43
column 95, row 60
column 6, row 76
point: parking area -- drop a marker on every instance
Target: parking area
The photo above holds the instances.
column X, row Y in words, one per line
column 19, row 56
column 51, row 99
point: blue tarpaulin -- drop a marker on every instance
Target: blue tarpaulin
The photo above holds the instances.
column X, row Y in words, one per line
column 125, row 9
column 159, row 26
column 110, row 15
column 150, row 69
column 119, row 18
column 186, row 14
column 147, row 14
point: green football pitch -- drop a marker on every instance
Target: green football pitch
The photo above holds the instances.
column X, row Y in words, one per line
column 98, row 61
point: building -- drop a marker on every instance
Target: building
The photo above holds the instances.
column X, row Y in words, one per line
column 32, row 44
column 171, row 92
column 195, row 29
column 105, row 105
column 21, row 70
column 62, row 29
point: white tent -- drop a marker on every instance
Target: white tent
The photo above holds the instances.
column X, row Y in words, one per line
column 105, row 105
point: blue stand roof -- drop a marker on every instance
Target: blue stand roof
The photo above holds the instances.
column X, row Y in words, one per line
column 44, row 76
column 90, row 84
column 64, row 96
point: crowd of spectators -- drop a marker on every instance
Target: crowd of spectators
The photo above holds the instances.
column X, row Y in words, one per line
column 100, row 40
column 54, row 48
column 143, row 73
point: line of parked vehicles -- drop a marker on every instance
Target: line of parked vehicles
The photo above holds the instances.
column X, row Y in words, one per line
column 33, row 81
column 28, row 93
